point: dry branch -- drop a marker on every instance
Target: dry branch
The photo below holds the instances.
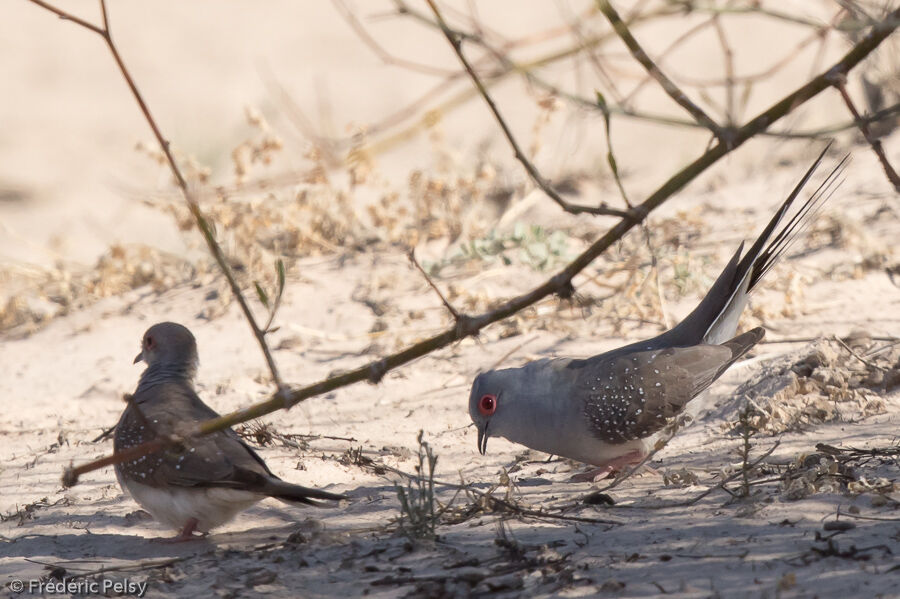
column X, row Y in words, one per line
column 506, row 67
column 453, row 311
column 667, row 84
column 841, row 84
column 193, row 206
column 561, row 283
column 347, row 13
column 527, row 69
column 586, row 45
column 535, row 175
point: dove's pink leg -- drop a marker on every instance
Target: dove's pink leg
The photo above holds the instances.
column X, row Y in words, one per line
column 187, row 533
column 606, row 468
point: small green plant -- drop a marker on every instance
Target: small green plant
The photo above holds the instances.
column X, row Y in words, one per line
column 272, row 306
column 418, row 517
column 537, row 247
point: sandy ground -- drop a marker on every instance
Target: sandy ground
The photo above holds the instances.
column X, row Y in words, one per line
column 62, row 384
column 765, row 546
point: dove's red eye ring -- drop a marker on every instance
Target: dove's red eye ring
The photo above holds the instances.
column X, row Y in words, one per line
column 487, row 405
column 148, row 341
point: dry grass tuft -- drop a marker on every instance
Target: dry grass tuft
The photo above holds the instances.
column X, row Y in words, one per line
column 841, row 470
column 39, row 295
column 832, row 381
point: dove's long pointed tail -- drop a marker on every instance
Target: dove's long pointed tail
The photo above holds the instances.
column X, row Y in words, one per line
column 716, row 317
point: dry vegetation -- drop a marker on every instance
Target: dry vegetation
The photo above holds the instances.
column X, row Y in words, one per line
column 836, row 380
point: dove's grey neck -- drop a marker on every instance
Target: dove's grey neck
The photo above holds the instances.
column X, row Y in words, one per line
column 535, row 402
column 167, row 372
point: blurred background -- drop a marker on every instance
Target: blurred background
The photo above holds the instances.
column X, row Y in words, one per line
column 363, row 105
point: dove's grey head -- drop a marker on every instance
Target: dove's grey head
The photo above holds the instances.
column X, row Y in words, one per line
column 483, row 404
column 516, row 403
column 169, row 347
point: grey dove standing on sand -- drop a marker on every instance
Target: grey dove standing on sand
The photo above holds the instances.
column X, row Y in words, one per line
column 207, row 480
column 606, row 410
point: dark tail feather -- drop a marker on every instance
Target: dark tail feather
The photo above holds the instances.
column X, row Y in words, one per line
column 290, row 493
column 740, row 345
column 756, row 250
column 765, row 253
column 798, row 224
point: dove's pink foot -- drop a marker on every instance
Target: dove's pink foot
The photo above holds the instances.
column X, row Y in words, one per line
column 607, row 468
column 187, row 533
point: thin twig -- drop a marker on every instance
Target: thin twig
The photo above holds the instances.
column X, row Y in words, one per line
column 381, row 146
column 412, row 258
column 614, row 167
column 753, row 9
column 497, row 502
column 661, row 442
column 373, row 371
column 202, row 224
column 526, row 69
column 347, row 13
column 893, row 341
column 106, row 433
column 535, row 175
column 681, row 39
column 731, row 477
column 810, row 339
column 819, row 33
column 861, row 517
column 667, row 84
column 790, row 340
column 152, row 564
column 70, row 17
column 859, row 357
column 720, row 485
column 602, row 74
column 729, row 70
column 841, row 84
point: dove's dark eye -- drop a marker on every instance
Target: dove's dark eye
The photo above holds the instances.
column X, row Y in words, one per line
column 487, row 405
column 148, row 341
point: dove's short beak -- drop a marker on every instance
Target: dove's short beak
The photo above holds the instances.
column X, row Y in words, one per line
column 138, row 357
column 482, row 438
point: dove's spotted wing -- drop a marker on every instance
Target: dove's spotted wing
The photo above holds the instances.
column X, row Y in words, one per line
column 220, row 459
column 631, row 396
